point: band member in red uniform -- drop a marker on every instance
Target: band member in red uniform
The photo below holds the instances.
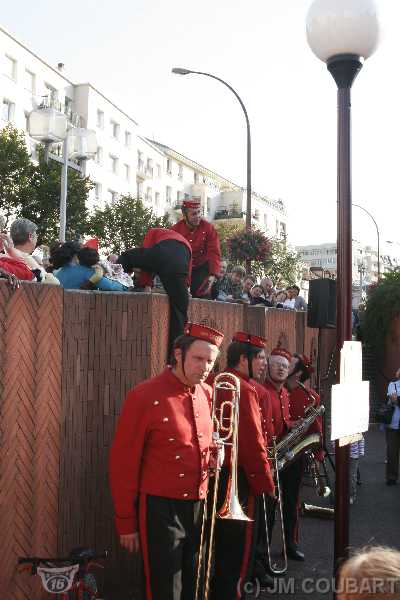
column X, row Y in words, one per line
column 300, row 399
column 235, row 540
column 290, row 478
column 204, row 241
column 159, row 466
column 167, row 254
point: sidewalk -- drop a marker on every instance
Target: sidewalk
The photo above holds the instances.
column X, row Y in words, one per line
column 374, row 519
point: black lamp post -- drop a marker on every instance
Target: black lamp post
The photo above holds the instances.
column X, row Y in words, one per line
column 377, row 235
column 343, row 35
column 180, row 71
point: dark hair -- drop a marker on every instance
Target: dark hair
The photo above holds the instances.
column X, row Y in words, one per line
column 88, row 257
column 183, row 343
column 300, row 368
column 238, row 349
column 62, row 254
column 295, row 287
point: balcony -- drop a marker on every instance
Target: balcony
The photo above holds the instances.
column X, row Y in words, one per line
column 228, row 214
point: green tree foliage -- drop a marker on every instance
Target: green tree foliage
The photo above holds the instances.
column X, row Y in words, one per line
column 284, row 264
column 383, row 305
column 124, row 224
column 43, row 205
column 225, row 231
column 32, row 190
column 15, row 171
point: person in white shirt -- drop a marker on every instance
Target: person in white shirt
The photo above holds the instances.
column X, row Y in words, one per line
column 393, row 432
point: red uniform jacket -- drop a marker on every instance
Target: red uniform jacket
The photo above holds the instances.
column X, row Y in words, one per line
column 252, row 455
column 299, row 401
column 266, row 412
column 204, row 242
column 155, row 236
column 161, row 446
column 280, row 409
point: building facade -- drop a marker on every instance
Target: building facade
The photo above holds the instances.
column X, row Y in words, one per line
column 126, row 162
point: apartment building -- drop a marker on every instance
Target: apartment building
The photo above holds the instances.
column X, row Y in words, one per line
column 126, row 162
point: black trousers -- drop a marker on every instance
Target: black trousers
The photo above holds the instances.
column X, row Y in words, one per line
column 260, row 565
column 392, row 453
column 170, row 542
column 291, row 479
column 199, row 276
column 170, row 260
column 234, row 542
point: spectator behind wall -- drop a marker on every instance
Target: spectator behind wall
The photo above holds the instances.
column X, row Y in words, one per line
column 230, row 286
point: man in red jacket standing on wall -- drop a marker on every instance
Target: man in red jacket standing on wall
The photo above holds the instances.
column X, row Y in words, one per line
column 204, row 241
column 159, row 466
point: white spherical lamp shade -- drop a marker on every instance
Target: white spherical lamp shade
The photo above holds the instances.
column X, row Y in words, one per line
column 82, row 143
column 47, row 125
column 337, row 27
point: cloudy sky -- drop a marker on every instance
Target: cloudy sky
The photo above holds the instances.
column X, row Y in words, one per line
column 127, row 49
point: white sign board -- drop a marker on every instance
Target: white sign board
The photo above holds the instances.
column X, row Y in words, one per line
column 350, row 409
column 351, row 362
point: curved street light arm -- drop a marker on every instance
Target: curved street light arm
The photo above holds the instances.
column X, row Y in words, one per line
column 377, row 234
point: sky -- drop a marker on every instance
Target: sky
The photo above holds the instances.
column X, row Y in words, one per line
column 127, row 48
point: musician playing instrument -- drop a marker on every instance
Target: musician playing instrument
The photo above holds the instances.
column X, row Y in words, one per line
column 277, row 373
column 234, row 539
column 300, row 398
column 159, row 465
column 204, row 241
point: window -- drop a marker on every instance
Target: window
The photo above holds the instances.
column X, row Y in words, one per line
column 7, row 110
column 113, row 164
column 265, row 220
column 178, row 197
column 149, row 167
column 26, row 115
column 195, row 177
column 10, row 68
column 112, row 196
column 140, row 189
column 140, row 161
column 168, row 194
column 52, row 93
column 128, row 138
column 99, row 155
column 97, row 191
column 180, row 172
column 149, row 195
column 157, row 198
column 169, row 166
column 114, row 129
column 257, row 214
column 127, row 172
column 100, row 119
column 29, row 82
column 158, row 167
column 208, row 205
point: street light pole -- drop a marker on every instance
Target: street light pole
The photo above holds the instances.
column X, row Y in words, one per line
column 343, row 35
column 377, row 235
column 181, row 71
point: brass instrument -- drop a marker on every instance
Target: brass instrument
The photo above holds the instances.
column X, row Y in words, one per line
column 318, row 511
column 322, row 490
column 225, row 419
column 276, row 570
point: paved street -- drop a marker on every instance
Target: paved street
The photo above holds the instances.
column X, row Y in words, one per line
column 374, row 520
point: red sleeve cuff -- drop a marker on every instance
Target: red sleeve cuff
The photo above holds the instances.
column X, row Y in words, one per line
column 126, row 525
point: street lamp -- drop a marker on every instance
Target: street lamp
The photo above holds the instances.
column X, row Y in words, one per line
column 180, row 71
column 48, row 126
column 377, row 234
column 343, row 33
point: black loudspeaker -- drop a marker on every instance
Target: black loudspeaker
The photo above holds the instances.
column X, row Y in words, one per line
column 322, row 303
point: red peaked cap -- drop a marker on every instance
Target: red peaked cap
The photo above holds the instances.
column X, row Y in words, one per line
column 191, row 203
column 202, row 332
column 306, row 363
column 92, row 243
column 248, row 338
column 282, row 352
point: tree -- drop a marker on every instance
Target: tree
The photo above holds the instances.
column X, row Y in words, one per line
column 15, row 171
column 226, row 231
column 382, row 308
column 284, row 264
column 43, row 204
column 123, row 224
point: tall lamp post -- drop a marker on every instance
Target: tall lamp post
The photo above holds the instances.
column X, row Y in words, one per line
column 377, row 235
column 343, row 33
column 180, row 71
column 48, row 126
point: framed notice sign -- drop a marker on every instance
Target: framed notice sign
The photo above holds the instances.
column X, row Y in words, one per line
column 350, row 409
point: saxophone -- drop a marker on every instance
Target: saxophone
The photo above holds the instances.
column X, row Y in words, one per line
column 295, row 443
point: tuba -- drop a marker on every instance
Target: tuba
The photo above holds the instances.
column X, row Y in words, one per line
column 225, row 419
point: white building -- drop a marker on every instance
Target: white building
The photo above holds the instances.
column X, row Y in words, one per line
column 126, row 162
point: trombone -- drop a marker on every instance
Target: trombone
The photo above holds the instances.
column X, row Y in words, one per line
column 225, row 420
column 276, row 570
